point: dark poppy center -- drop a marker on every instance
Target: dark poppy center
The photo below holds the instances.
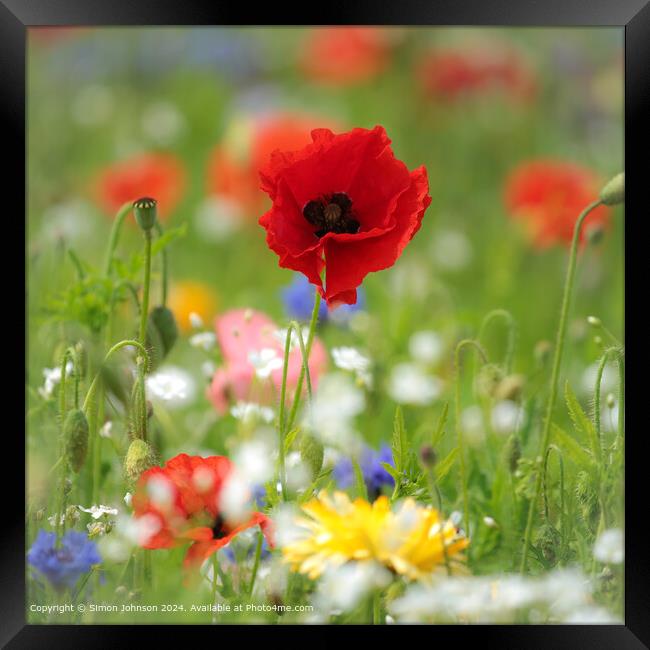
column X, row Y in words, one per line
column 331, row 214
column 219, row 528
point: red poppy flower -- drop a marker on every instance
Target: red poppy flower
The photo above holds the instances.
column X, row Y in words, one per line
column 548, row 197
column 451, row 74
column 152, row 174
column 345, row 55
column 345, row 204
column 233, row 170
column 181, row 504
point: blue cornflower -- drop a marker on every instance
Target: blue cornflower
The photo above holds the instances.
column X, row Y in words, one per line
column 374, row 474
column 298, row 300
column 64, row 565
column 229, row 553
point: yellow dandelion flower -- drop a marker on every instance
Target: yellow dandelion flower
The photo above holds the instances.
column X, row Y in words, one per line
column 412, row 541
column 190, row 297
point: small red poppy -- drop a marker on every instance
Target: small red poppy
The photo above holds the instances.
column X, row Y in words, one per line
column 345, row 204
column 233, row 169
column 181, row 504
column 159, row 175
column 452, row 74
column 345, row 55
column 548, row 197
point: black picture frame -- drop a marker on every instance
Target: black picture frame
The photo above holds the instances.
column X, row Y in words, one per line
column 633, row 16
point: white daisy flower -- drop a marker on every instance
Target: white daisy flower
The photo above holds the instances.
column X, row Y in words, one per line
column 99, row 511
column 265, row 361
column 171, row 385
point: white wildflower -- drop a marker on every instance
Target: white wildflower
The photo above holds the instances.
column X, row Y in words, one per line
column 52, row 377
column 409, row 384
column 506, row 417
column 204, row 340
column 426, row 347
column 195, row 321
column 98, row 511
column 609, row 547
column 250, row 412
column 171, row 385
column 107, row 429
column 264, row 361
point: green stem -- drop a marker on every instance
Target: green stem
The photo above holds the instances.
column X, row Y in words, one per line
column 376, row 608
column 555, row 373
column 599, row 377
column 512, row 333
column 122, row 213
column 165, row 268
column 90, row 395
column 64, row 466
column 459, row 429
column 256, row 564
column 305, row 349
column 282, row 427
column 144, row 308
column 301, row 378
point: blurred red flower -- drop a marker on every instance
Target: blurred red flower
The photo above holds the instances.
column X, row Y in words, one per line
column 180, row 503
column 548, row 197
column 242, row 332
column 345, row 204
column 159, row 175
column 452, row 74
column 233, row 169
column 345, row 55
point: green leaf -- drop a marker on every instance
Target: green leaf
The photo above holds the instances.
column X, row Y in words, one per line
column 400, row 441
column 580, row 420
column 168, row 237
column 574, row 450
column 288, row 440
column 439, row 432
column 391, row 470
column 358, row 479
column 442, row 468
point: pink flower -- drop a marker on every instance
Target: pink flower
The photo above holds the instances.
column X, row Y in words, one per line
column 252, row 348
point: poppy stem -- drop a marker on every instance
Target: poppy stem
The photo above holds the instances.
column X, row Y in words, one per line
column 555, row 374
column 256, row 564
column 459, row 429
column 165, row 267
column 305, row 350
column 301, row 378
column 512, row 333
column 142, row 336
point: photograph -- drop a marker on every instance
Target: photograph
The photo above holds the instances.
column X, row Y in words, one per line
column 324, row 325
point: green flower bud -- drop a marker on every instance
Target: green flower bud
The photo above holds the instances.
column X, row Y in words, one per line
column 614, row 192
column 139, row 458
column 75, row 436
column 510, row 387
column 549, row 540
column 145, row 211
column 311, row 452
column 163, row 320
column 488, row 379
